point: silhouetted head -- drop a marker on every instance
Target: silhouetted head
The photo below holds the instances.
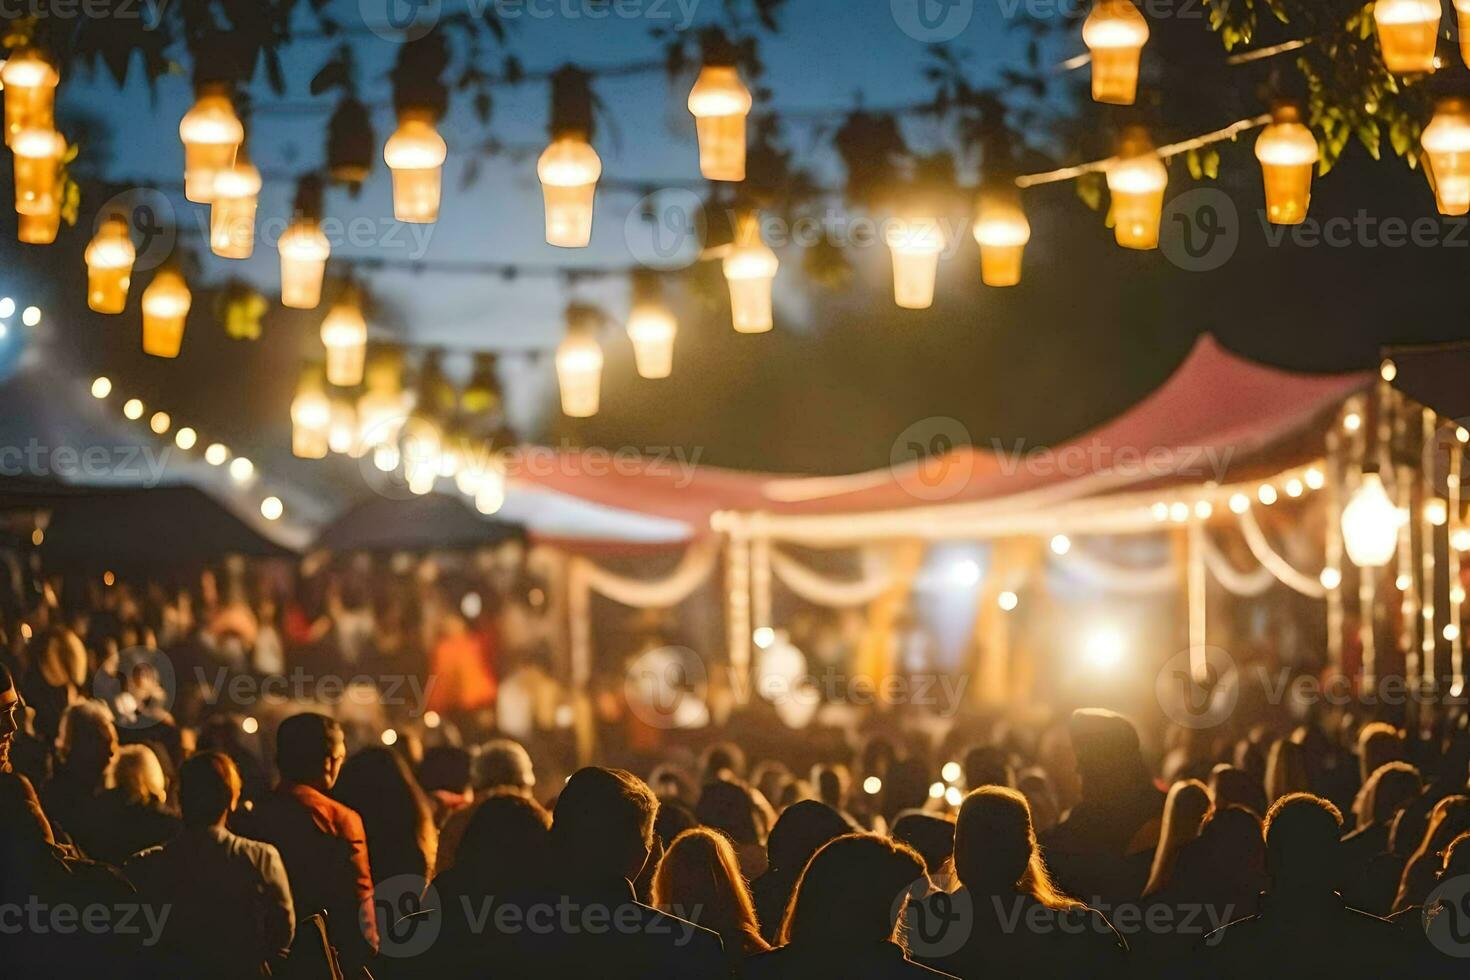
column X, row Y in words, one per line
column 852, row 894
column 1109, row 759
column 446, row 768
column 504, row 764
column 930, row 834
column 87, row 741
column 1391, row 786
column 310, row 750
column 1231, row 836
column 1286, row 770
column 730, row 808
column 1302, row 833
column 723, row 760
column 801, row 829
column 209, row 788
column 987, row 765
column 1379, row 743
column 505, row 843
column 699, row 879
column 602, row 826
column 831, row 783
column 1232, row 786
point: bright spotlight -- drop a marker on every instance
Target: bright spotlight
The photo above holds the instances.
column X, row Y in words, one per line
column 1007, row 601
column 763, row 637
column 1103, row 647
column 952, row 772
column 133, row 409
column 216, row 454
column 185, row 438
column 101, row 387
column 1061, row 544
column 271, row 508
column 160, row 423
column 953, row 796
column 390, row 737
column 936, row 791
column 241, row 469
column 249, row 726
column 872, row 785
column 31, row 316
column 965, row 574
column 431, row 719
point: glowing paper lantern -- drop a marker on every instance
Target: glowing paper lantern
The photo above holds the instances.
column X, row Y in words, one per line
column 915, row 244
column 1446, row 143
column 30, row 94
column 38, row 229
column 1287, row 151
column 416, row 154
column 38, row 155
column 165, row 308
column 212, row 134
column 1115, row 33
column 651, row 328
column 579, row 371
column 720, row 102
column 344, row 334
column 1002, row 231
column 311, row 416
column 750, row 268
column 109, row 258
column 1136, row 181
column 1370, row 523
column 1406, row 33
column 304, row 252
column 569, row 169
column 232, row 210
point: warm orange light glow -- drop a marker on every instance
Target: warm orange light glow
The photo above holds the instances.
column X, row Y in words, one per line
column 750, row 268
column 38, row 155
column 1287, row 151
column 569, row 169
column 1136, row 181
column 915, row 244
column 109, row 259
column 720, row 102
column 1002, row 231
column 651, row 328
column 232, row 210
column 311, row 416
column 304, row 252
column 344, row 334
column 416, row 155
column 38, row 229
column 579, row 374
column 212, row 134
column 1406, row 34
column 165, row 308
column 1115, row 33
column 1446, row 143
column 30, row 94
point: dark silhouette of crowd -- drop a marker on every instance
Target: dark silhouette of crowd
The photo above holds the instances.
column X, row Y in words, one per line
column 1338, row 852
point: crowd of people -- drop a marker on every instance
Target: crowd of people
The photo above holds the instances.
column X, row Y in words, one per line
column 1339, row 852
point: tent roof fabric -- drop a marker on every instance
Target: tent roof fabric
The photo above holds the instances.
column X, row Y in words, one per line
column 433, row 521
column 1212, row 419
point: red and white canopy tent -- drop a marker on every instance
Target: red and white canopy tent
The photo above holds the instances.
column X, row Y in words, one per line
column 1219, row 438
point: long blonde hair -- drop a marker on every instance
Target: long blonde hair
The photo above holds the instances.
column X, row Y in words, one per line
column 699, row 879
column 1185, row 810
column 995, row 844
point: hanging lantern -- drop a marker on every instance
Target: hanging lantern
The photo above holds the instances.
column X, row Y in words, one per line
column 651, row 328
column 232, row 209
column 109, row 258
column 579, row 367
column 1002, row 230
column 720, row 102
column 1115, row 32
column 1371, row 522
column 344, row 335
column 342, row 429
column 351, row 145
column 1287, row 151
column 30, row 94
column 311, row 415
column 416, row 154
column 1407, row 32
column 304, row 251
column 915, row 244
column 165, row 309
column 38, row 154
column 750, row 267
column 569, row 170
column 212, row 134
column 383, row 406
column 1136, row 182
column 38, row 229
column 482, row 394
column 1446, row 143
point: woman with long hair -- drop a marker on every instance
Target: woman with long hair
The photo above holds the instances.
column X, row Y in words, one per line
column 843, row 922
column 732, row 809
column 799, row 832
column 699, row 879
column 1185, row 810
column 1286, row 770
column 136, row 806
column 1005, row 882
column 1449, row 819
column 401, row 839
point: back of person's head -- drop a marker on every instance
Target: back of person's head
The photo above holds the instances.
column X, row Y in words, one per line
column 930, row 834
column 801, row 829
column 1379, row 743
column 995, row 848
column 209, row 788
column 1041, row 796
column 505, row 843
column 446, row 769
column 137, row 773
column 831, row 783
column 503, row 763
column 602, row 825
column 1232, row 786
column 1109, row 756
column 1391, row 785
column 699, row 879
column 723, row 760
column 730, row 808
column 309, row 749
column 674, row 817
column 1286, row 770
column 1449, row 818
column 1185, row 809
column 377, row 782
column 1456, row 858
column 1232, row 838
column 1302, row 833
column 63, row 659
column 987, row 765
column 87, row 737
column 905, row 786
column 852, row 894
